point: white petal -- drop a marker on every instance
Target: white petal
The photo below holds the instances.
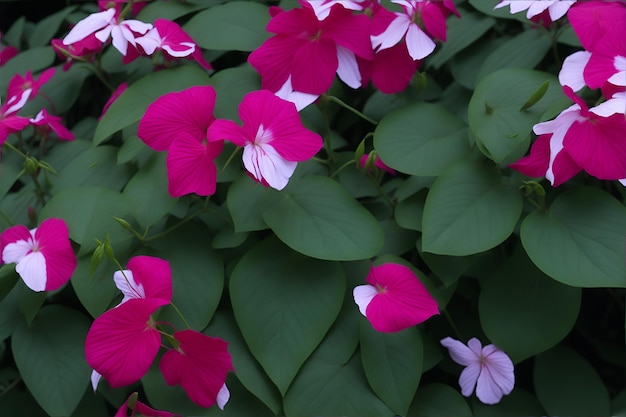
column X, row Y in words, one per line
column 393, row 34
column 32, row 269
column 92, row 23
column 623, row 182
column 179, row 54
column 571, row 73
column 300, row 99
column 222, row 397
column 136, row 26
column 104, row 34
column 119, row 41
column 95, row 379
column 348, row 69
column 418, row 43
column 537, row 7
column 363, row 295
column 150, row 41
column 264, row 163
column 558, row 9
column 519, row 5
column 126, row 283
column 15, row 103
column 16, row 251
column 616, row 104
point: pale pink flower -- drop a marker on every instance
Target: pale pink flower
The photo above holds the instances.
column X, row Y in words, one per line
column 488, row 369
column 45, row 124
column 272, row 135
column 199, row 364
column 140, row 409
column 394, row 299
column 44, row 255
column 105, row 25
column 556, row 8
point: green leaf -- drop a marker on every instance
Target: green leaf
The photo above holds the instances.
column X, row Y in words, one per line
column 32, row 60
column 329, row 389
column 48, row 27
column 525, row 50
column 132, row 103
column 421, row 139
column 317, row 218
column 89, row 212
column 9, row 313
column 236, row 25
column 397, row 239
column 409, row 212
column 30, row 302
column 580, row 241
column 393, row 364
column 171, row 10
column 284, row 304
column 439, row 400
column 524, row 312
column 197, row 275
column 468, row 210
column 147, row 190
column 231, row 84
column 244, row 200
column 501, row 131
column 535, row 96
column 51, row 358
column 247, row 369
column 460, row 34
column 517, row 403
column 567, row 385
column 8, row 278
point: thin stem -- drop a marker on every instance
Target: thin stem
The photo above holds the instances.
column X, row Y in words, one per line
column 451, row 322
column 382, row 192
column 230, row 158
column 327, row 140
column 13, row 148
column 7, row 218
column 180, row 315
column 11, row 386
column 176, row 226
column 341, row 168
column 352, row 109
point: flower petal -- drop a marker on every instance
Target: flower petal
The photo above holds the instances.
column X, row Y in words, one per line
column 267, row 166
column 222, row 397
column 154, row 275
column 348, row 69
column 418, row 43
column 468, row 377
column 53, row 239
column 459, row 352
column 363, row 295
column 14, row 244
column 32, row 269
column 89, row 25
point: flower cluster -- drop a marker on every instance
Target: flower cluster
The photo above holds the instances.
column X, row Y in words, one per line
column 583, row 138
column 123, row 342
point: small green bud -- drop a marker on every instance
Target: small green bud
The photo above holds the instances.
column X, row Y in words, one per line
column 419, row 81
column 31, row 165
column 358, row 154
column 96, row 259
column 123, row 223
column 108, row 249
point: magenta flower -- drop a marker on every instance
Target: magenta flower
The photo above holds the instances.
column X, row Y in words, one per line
column 272, row 136
column 9, row 122
column 45, row 124
column 488, row 369
column 140, row 409
column 6, row 52
column 82, row 50
column 175, row 43
column 27, row 86
column 105, row 25
column 146, row 277
column 395, row 298
column 177, row 123
column 44, row 255
column 378, row 163
column 593, row 20
column 199, row 365
column 309, row 52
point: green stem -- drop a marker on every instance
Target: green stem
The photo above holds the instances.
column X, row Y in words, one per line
column 7, row 218
column 176, row 226
column 451, row 322
column 382, row 192
column 327, row 141
column 341, row 168
column 11, row 386
column 180, row 315
column 14, row 149
column 352, row 109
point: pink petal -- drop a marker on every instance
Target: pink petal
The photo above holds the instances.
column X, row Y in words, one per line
column 314, row 66
column 176, row 41
column 294, row 21
column 301, row 100
column 393, row 69
column 199, row 365
column 227, row 130
column 141, row 409
column 32, row 269
column 189, row 111
column 10, row 125
column 598, row 145
column 154, row 274
column 267, row 166
column 13, row 235
column 418, row 43
column 607, row 17
column 191, row 167
column 434, row 20
column 601, row 65
column 349, row 31
column 459, row 352
column 122, row 343
column 52, row 236
column 468, row 378
column 363, row 295
column 402, row 299
column 273, row 60
column 89, row 25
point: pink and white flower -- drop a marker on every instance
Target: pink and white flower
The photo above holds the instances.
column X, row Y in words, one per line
column 45, row 124
column 44, row 255
column 272, row 136
column 26, row 87
column 556, row 8
column 199, row 364
column 140, row 409
column 488, row 369
column 394, row 299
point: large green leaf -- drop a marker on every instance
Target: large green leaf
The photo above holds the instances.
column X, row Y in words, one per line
column 147, row 190
column 439, row 400
column 284, row 304
column 316, row 217
column 244, row 204
column 51, row 360
column 46, row 28
column 517, row 403
column 231, row 84
column 325, row 388
column 247, row 369
column 524, row 312
column 197, row 275
column 235, row 25
column 421, row 139
column 468, row 210
column 132, row 103
column 32, row 60
column 580, row 240
column 171, row 10
column 89, row 213
column 393, row 364
column 60, row 92
column 500, row 128
column 567, row 385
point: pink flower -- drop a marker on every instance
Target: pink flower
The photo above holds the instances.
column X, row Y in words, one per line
column 388, row 29
column 272, row 136
column 175, row 43
column 6, row 52
column 199, row 364
column 555, row 8
column 82, row 50
column 146, row 286
column 9, row 122
column 177, row 123
column 114, row 95
column 391, row 70
column 140, row 409
column 46, row 124
column 44, row 255
column 378, row 163
column 27, row 86
column 309, row 52
column 593, row 20
column 105, row 24
column 395, row 298
column 488, row 369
